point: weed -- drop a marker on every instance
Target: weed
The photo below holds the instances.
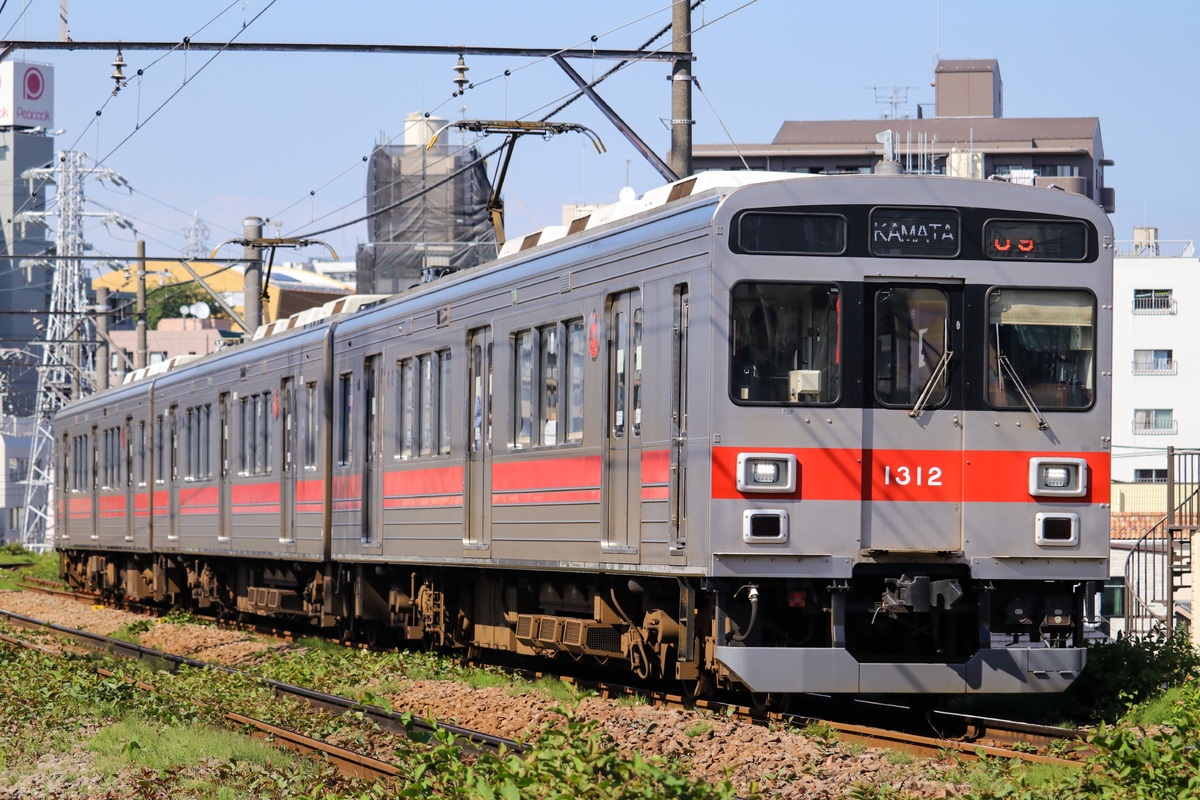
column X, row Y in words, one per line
column 698, row 728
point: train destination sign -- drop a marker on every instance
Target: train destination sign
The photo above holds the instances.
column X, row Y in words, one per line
column 915, row 232
column 1035, row 241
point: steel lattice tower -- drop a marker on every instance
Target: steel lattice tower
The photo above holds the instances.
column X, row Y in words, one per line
column 67, row 352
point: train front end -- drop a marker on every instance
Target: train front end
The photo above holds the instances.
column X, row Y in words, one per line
column 909, row 435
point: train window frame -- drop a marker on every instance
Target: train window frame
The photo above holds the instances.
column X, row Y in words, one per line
column 738, row 244
column 822, row 361
column 1038, row 390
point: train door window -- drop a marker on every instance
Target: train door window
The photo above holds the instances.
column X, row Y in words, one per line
column 911, row 334
column 370, row 408
column 548, row 385
column 636, row 376
column 481, row 397
column 784, row 344
column 406, row 425
column 246, row 457
column 576, row 359
column 127, row 452
column 267, row 408
column 620, row 376
column 345, row 403
column 205, row 414
column 523, row 407
column 427, row 415
column 311, row 425
column 1041, row 344
column 444, row 403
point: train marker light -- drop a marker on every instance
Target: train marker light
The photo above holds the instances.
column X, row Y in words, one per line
column 1057, row 477
column 774, row 473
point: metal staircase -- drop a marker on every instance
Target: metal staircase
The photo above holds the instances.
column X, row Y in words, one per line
column 1158, row 590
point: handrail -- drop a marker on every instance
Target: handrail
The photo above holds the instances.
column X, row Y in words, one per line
column 1140, row 571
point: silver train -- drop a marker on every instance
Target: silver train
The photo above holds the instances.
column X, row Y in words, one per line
column 843, row 434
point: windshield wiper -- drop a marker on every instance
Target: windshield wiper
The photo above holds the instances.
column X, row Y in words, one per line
column 938, row 371
column 1021, row 390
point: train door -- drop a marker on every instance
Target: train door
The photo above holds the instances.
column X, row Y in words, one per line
column 372, row 477
column 172, row 468
column 287, row 474
column 224, row 471
column 93, row 482
column 679, row 415
column 623, row 443
column 127, row 459
column 913, row 436
column 477, row 535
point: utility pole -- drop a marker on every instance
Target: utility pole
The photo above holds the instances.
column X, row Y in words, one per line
column 252, row 277
column 681, row 90
column 139, row 357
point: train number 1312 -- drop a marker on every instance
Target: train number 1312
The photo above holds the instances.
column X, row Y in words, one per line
column 903, row 476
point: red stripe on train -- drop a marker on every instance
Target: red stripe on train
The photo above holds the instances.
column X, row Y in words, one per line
column 972, row 476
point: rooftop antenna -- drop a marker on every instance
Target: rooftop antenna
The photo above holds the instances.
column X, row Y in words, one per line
column 894, row 97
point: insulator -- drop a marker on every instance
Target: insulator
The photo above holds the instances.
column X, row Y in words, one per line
column 460, row 77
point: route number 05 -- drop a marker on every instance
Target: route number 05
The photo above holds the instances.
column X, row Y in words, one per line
column 903, row 476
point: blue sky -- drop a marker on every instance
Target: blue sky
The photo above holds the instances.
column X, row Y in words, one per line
column 282, row 136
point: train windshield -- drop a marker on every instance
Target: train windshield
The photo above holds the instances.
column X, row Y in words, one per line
column 1040, row 343
column 784, row 340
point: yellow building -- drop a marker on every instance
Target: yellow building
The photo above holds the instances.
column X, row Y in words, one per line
column 288, row 292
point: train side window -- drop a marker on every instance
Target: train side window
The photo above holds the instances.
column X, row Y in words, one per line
column 141, row 453
column 444, row 403
column 205, row 414
column 189, row 444
column 160, row 450
column 636, row 376
column 173, row 447
column 345, row 400
column 312, row 426
column 406, row 428
column 246, row 451
column 266, row 409
column 523, row 405
column 427, row 406
column 576, row 359
column 548, row 385
column 784, row 340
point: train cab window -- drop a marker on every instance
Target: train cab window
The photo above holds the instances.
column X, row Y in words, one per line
column 1041, row 349
column 784, row 342
column 911, row 332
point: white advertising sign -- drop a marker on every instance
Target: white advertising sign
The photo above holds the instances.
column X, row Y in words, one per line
column 26, row 95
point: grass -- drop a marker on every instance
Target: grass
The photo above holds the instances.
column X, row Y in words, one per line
column 134, row 741
column 44, row 565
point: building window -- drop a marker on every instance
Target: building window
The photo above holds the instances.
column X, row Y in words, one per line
column 1154, row 362
column 1154, row 421
column 1154, row 301
column 1149, row 476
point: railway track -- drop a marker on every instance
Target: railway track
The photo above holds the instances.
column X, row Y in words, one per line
column 348, row 761
column 921, row 734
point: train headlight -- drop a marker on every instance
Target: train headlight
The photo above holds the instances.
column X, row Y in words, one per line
column 772, row 473
column 1057, row 477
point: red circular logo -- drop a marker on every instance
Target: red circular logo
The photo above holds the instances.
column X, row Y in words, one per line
column 35, row 84
column 594, row 336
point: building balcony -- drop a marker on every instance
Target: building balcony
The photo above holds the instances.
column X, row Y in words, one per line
column 1169, row 367
column 1165, row 248
column 1155, row 429
column 1155, row 305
